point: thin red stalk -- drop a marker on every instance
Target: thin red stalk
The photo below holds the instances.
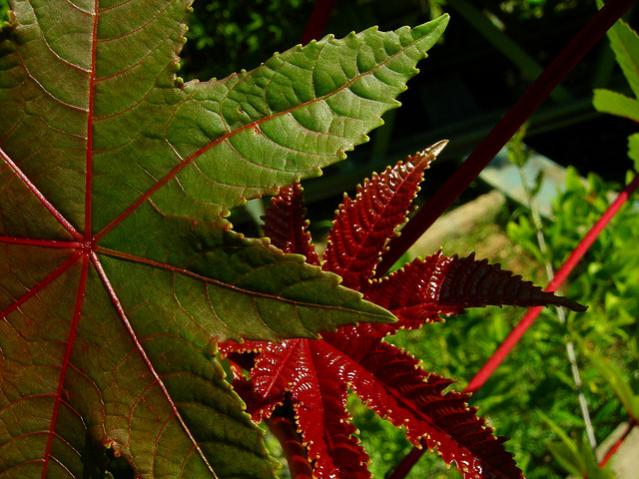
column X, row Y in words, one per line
column 513, row 338
column 283, row 428
column 617, row 444
column 115, row 301
column 90, row 116
column 55, row 274
column 38, row 194
column 73, row 332
column 40, row 242
column 503, row 350
column 483, row 153
column 318, row 21
column 405, row 465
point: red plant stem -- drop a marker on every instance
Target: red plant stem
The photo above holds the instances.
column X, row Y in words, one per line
column 318, row 21
column 483, row 153
column 283, row 428
column 405, row 465
column 617, row 444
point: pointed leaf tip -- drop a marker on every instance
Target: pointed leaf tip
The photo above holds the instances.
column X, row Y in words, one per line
column 570, row 304
column 436, row 148
column 364, row 225
column 436, row 26
column 441, row 284
column 429, row 154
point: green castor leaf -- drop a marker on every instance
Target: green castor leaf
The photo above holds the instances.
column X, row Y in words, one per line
column 118, row 271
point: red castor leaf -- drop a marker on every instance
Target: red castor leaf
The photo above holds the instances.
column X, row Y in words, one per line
column 315, row 375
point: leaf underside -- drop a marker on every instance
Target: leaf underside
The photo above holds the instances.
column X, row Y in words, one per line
column 316, row 374
column 118, row 272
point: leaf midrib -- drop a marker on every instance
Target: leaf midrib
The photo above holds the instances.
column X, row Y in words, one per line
column 371, row 234
column 88, row 193
column 229, row 286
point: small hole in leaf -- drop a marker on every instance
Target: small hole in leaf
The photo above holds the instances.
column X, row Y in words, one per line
column 104, row 462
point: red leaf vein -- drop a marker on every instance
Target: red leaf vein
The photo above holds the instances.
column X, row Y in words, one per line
column 56, row 273
column 73, row 332
column 38, row 194
column 115, row 300
column 43, row 243
column 90, row 116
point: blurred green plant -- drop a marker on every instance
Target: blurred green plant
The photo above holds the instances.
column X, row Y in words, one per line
column 4, row 12
column 225, row 37
column 535, row 8
column 611, row 266
column 609, row 275
column 523, row 9
column 616, row 378
column 519, row 154
column 575, row 456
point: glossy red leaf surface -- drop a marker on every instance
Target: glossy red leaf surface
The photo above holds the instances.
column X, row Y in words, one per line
column 316, row 374
column 364, row 225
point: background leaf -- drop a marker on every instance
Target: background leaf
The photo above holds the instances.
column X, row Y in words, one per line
column 616, row 104
column 625, row 43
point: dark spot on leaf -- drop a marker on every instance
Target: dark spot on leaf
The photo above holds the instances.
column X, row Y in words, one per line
column 105, row 461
